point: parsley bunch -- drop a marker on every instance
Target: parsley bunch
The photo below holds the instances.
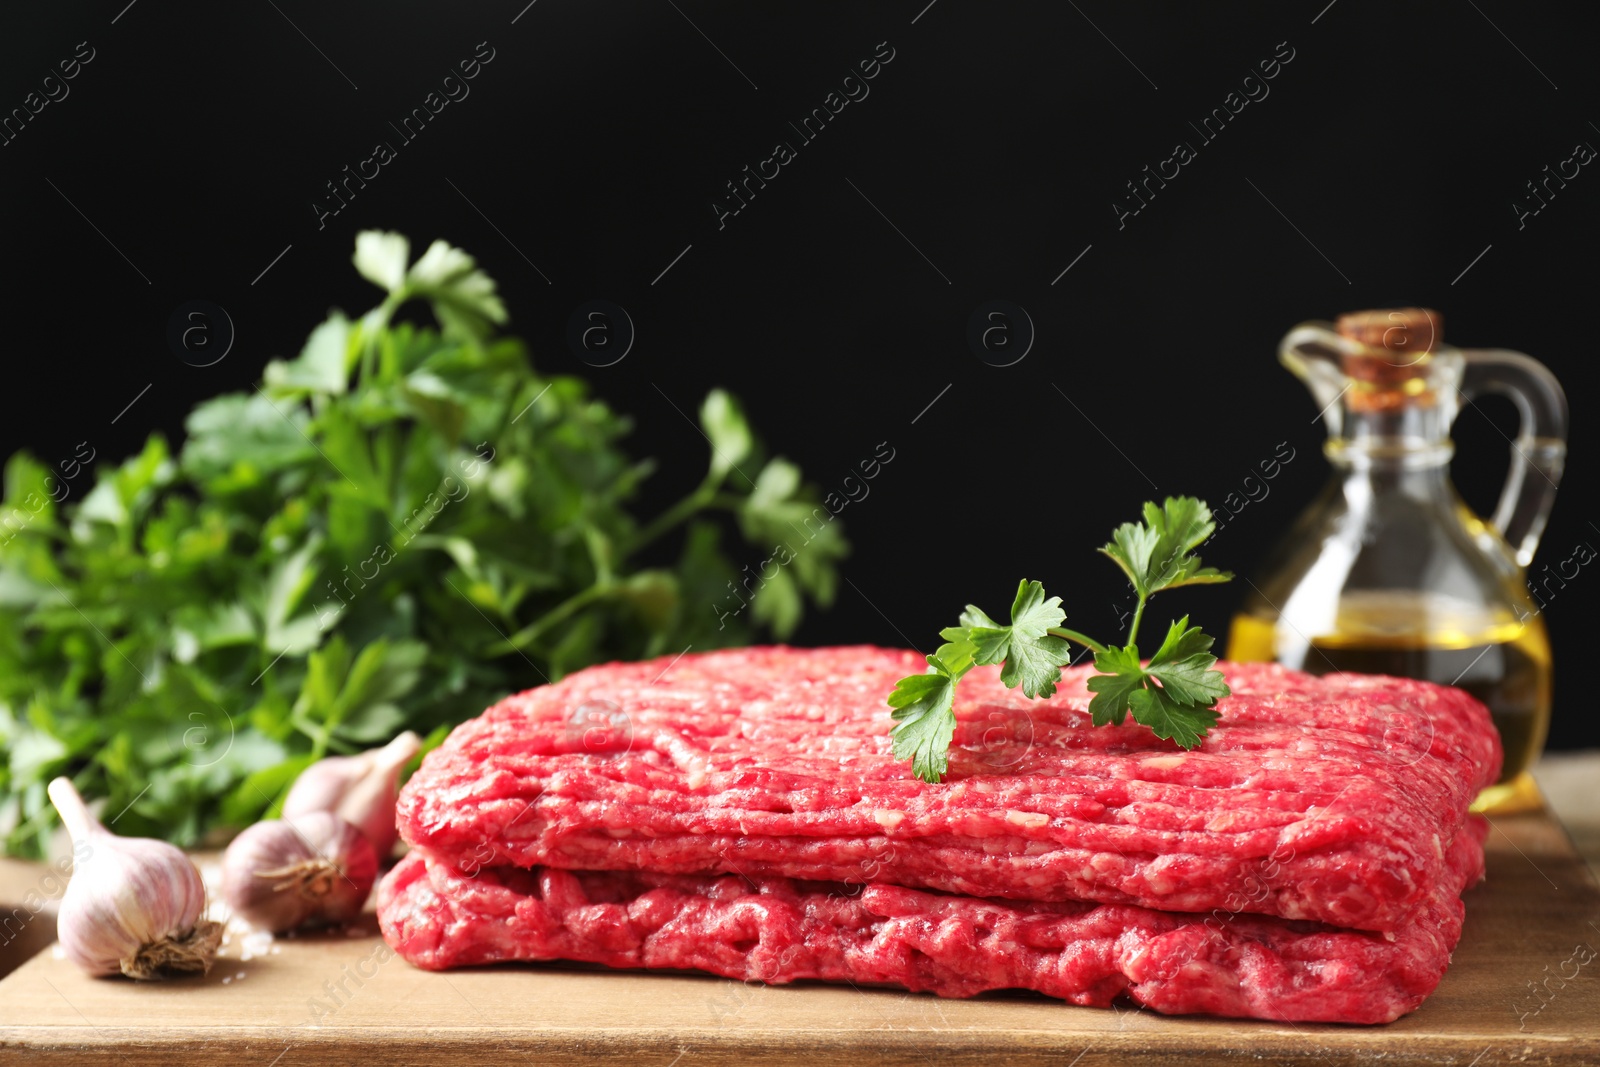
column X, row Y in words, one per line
column 1175, row 693
column 390, row 531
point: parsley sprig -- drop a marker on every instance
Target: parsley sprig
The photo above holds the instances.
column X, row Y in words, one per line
column 389, row 531
column 1175, row 693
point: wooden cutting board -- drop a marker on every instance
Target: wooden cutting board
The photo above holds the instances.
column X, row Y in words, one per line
column 344, row 999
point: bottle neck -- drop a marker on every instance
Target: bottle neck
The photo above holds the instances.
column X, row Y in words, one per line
column 1430, row 459
column 1409, row 441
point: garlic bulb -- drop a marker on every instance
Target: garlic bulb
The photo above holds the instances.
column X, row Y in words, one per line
column 315, row 869
column 359, row 789
column 134, row 905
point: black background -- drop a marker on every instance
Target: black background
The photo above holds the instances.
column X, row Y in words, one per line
column 986, row 159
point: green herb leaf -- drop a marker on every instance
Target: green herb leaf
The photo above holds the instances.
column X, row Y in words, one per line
column 805, row 541
column 238, row 443
column 1119, row 678
column 958, row 654
column 324, row 364
column 381, row 258
column 1184, row 723
column 1031, row 657
column 1174, row 695
column 1156, row 554
column 729, row 433
column 925, row 720
column 1183, row 666
column 391, row 530
column 463, row 297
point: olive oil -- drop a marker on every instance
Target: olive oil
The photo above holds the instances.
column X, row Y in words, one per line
column 1501, row 660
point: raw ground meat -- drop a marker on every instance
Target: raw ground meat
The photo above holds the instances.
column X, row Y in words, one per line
column 1341, row 793
column 776, row 930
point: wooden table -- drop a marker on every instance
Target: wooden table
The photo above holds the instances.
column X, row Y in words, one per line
column 344, row 999
column 1570, row 782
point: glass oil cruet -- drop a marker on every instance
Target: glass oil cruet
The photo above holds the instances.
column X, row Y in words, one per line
column 1388, row 571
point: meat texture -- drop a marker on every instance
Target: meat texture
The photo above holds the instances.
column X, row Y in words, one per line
column 1330, row 799
column 777, row 930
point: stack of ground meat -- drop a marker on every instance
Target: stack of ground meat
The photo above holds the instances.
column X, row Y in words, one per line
column 741, row 813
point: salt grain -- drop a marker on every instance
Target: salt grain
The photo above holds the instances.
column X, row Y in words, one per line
column 255, row 943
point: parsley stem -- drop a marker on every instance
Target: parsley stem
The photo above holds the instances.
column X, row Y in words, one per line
column 677, row 514
column 1073, row 635
column 1138, row 613
column 376, row 322
column 524, row 637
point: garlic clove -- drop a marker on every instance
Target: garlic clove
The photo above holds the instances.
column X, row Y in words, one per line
column 323, row 784
column 315, row 869
column 359, row 789
column 134, row 905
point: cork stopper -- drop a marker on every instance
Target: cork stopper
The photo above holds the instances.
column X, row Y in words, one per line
column 1392, row 356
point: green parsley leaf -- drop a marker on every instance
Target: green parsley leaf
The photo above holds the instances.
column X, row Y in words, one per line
column 958, row 654
column 1120, row 676
column 1184, row 723
column 804, row 540
column 1031, row 657
column 925, row 721
column 463, row 297
column 1174, row 695
column 1183, row 666
column 323, row 366
column 389, row 531
column 727, row 430
column 924, row 706
column 1156, row 554
column 381, row 258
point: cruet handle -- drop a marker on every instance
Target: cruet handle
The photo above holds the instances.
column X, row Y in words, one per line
column 1540, row 449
